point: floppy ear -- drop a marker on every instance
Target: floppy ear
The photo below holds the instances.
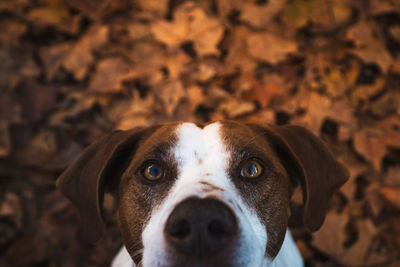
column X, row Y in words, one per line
column 309, row 161
column 84, row 181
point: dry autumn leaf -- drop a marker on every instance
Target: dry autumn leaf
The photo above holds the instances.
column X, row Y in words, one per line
column 391, row 194
column 370, row 147
column 190, row 24
column 270, row 47
column 260, row 16
column 369, row 47
column 81, row 56
column 110, row 74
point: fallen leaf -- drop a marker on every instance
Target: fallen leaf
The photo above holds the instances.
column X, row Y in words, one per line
column 391, row 128
column 325, row 241
column 391, row 194
column 385, row 105
column 195, row 96
column 369, row 47
column 10, row 31
column 110, row 74
column 324, row 15
column 363, row 93
column 318, row 109
column 261, row 16
column 234, row 108
column 356, row 168
column 53, row 57
column 379, row 7
column 56, row 14
column 270, row 47
column 238, row 54
column 395, row 32
column 190, row 24
column 96, row 10
column 392, row 177
column 81, row 56
column 133, row 113
column 262, row 91
column 159, row 7
column 170, row 93
column 333, row 244
column 370, row 147
column 360, row 251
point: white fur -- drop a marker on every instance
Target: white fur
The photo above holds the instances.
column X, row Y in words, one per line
column 202, row 157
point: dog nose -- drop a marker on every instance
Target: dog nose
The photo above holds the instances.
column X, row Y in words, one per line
column 201, row 227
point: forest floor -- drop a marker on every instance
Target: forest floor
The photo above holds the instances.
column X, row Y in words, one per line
column 73, row 70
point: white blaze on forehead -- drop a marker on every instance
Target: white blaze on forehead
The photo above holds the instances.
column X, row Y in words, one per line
column 203, row 160
column 200, row 153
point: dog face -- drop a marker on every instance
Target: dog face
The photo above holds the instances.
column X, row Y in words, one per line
column 201, row 196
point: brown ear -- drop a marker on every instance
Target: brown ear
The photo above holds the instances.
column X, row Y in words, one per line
column 308, row 159
column 83, row 182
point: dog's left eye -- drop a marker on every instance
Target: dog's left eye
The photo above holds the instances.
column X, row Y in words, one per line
column 153, row 172
column 251, row 169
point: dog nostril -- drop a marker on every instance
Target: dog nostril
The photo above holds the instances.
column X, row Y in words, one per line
column 179, row 229
column 216, row 228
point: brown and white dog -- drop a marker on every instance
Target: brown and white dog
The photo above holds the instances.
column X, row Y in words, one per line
column 209, row 195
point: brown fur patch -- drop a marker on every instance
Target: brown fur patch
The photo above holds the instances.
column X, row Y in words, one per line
column 137, row 196
column 268, row 194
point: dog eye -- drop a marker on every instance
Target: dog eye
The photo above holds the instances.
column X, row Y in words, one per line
column 251, row 169
column 153, row 172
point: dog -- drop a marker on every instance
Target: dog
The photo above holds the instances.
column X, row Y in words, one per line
column 204, row 195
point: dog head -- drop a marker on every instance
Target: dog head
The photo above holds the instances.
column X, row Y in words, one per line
column 203, row 195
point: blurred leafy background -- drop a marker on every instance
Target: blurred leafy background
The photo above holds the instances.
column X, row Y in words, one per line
column 73, row 70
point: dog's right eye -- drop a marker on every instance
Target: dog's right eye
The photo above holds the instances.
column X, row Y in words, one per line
column 153, row 172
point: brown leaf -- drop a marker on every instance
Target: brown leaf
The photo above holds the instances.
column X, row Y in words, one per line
column 391, row 194
column 323, row 15
column 332, row 236
column 391, row 128
column 261, row 16
column 170, row 93
column 80, row 57
column 270, row 47
column 238, row 53
column 109, row 75
column 369, row 47
column 392, row 177
column 325, row 240
column 195, row 97
column 190, row 23
column 53, row 57
column 159, row 7
column 56, row 14
column 363, row 93
column 380, row 7
column 385, row 105
column 10, row 31
column 263, row 92
column 318, row 110
column 395, row 32
column 234, row 108
column 356, row 168
column 371, row 147
column 99, row 8
column 133, row 113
